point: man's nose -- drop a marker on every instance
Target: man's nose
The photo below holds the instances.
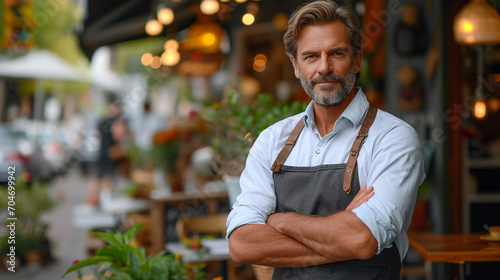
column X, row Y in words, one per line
column 325, row 65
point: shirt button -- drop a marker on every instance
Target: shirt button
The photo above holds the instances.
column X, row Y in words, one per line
column 318, row 151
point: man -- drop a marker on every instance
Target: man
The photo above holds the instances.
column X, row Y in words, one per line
column 112, row 131
column 302, row 209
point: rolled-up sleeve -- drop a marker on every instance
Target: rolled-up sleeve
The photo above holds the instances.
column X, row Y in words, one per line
column 257, row 199
column 396, row 172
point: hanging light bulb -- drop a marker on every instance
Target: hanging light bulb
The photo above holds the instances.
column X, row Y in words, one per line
column 248, row 19
column 170, row 57
column 156, row 63
column 171, row 44
column 146, row 59
column 209, row 7
column 480, row 111
column 153, row 27
column 165, row 15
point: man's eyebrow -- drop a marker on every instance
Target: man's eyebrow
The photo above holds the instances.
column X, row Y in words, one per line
column 342, row 49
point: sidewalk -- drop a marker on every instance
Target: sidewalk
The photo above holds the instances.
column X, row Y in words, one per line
column 68, row 243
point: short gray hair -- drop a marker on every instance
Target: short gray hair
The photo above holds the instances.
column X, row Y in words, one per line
column 320, row 13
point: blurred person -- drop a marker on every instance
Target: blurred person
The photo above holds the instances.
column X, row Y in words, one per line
column 113, row 130
column 146, row 125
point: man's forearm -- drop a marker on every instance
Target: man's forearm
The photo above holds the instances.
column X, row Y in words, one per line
column 262, row 244
column 340, row 236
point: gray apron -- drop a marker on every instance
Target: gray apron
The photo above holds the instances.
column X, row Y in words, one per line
column 323, row 190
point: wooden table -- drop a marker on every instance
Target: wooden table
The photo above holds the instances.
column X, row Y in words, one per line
column 217, row 250
column 181, row 200
column 453, row 248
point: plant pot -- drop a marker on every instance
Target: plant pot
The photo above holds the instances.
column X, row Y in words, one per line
column 175, row 181
column 233, row 188
column 34, row 258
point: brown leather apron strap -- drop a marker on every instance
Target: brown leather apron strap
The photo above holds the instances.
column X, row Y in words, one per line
column 356, row 147
column 290, row 142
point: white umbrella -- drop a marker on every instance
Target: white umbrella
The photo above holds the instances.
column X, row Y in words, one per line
column 42, row 65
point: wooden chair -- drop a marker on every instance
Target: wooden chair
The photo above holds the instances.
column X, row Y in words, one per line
column 214, row 225
column 205, row 224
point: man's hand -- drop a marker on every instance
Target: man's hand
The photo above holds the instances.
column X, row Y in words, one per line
column 361, row 197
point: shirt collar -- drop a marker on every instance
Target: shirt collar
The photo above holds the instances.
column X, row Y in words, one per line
column 354, row 112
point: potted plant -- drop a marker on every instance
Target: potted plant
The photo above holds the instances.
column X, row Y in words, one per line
column 234, row 127
column 32, row 200
column 120, row 260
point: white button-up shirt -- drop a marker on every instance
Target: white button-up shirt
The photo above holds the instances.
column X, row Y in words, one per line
column 390, row 160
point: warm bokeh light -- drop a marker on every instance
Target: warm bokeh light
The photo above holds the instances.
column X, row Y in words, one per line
column 156, row 63
column 224, row 1
column 248, row 19
column 280, row 21
column 260, row 57
column 253, row 8
column 146, row 59
column 165, row 16
column 171, row 44
column 259, row 65
column 153, row 27
column 209, row 7
column 240, row 1
column 170, row 57
column 259, row 62
column 467, row 27
column 494, row 104
column 480, row 109
column 207, row 39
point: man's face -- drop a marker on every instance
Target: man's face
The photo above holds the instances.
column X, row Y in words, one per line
column 325, row 64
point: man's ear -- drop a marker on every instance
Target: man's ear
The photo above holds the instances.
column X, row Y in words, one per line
column 295, row 67
column 357, row 62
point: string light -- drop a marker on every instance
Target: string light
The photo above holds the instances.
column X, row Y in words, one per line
column 153, row 27
column 165, row 15
column 170, row 57
column 248, row 19
column 171, row 44
column 156, row 63
column 209, row 7
column 146, row 59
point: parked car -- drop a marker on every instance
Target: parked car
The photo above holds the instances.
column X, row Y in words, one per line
column 15, row 151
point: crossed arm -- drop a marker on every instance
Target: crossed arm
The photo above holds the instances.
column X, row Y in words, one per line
column 292, row 239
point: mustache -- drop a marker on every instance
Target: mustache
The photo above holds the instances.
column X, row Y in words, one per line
column 328, row 78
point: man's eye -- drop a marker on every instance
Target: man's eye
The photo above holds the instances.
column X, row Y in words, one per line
column 338, row 53
column 311, row 56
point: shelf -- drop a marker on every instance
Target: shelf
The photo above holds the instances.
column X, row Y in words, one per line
column 483, row 163
column 483, row 197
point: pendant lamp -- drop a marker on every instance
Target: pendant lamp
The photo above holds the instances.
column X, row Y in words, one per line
column 477, row 23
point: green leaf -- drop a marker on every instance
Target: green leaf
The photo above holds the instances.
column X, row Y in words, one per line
column 113, row 253
column 87, row 262
column 135, row 257
column 132, row 232
column 112, row 239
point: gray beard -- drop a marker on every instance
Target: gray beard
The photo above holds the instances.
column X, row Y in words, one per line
column 346, row 85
